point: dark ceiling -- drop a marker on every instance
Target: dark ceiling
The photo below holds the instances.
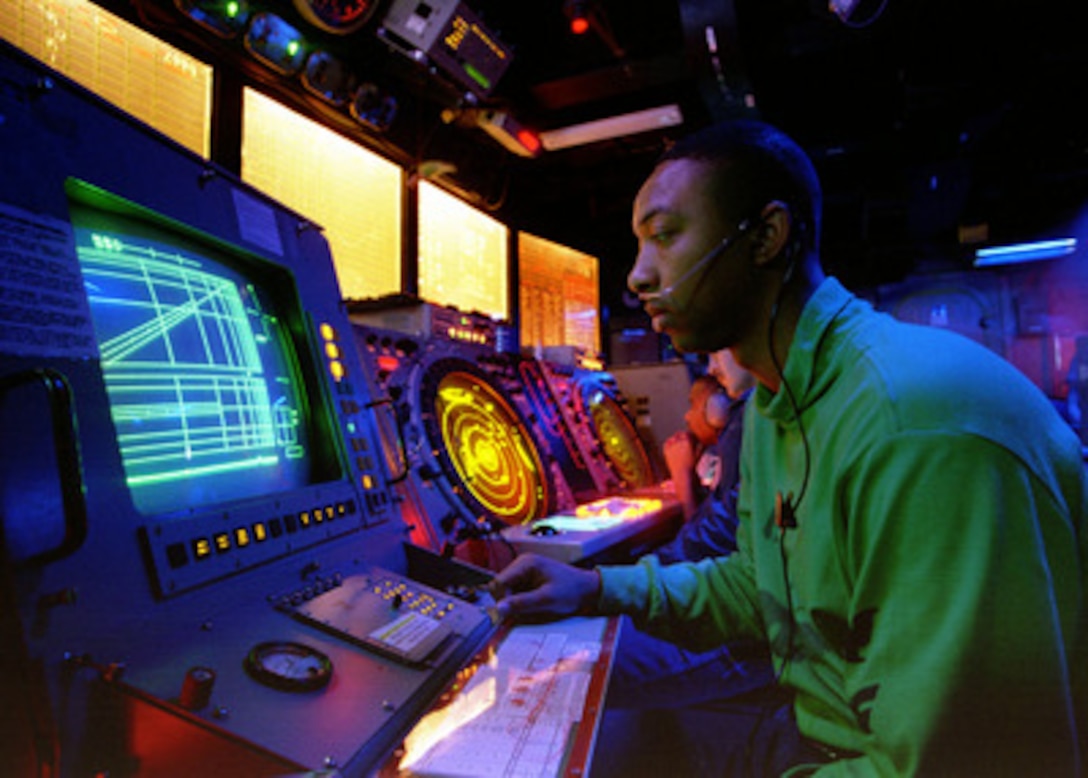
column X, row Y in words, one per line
column 923, row 116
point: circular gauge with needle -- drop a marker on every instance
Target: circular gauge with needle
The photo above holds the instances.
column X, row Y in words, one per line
column 289, row 666
column 340, row 17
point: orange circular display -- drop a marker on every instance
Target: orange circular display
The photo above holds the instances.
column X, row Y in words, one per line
column 484, row 445
column 619, row 440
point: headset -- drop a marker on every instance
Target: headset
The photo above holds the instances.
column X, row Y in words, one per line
column 785, row 514
column 702, row 265
column 716, row 409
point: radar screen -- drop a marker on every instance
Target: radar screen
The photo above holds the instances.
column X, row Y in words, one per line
column 483, row 443
column 618, row 437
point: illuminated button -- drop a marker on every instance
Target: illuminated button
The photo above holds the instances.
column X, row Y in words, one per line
column 224, row 19
column 368, row 481
column 202, row 548
column 319, row 515
column 241, row 537
column 341, row 509
column 222, row 541
column 332, row 351
column 327, row 332
column 304, row 519
column 259, row 531
column 275, row 43
column 336, row 369
column 330, row 512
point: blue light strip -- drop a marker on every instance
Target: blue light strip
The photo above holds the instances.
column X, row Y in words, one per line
column 1025, row 252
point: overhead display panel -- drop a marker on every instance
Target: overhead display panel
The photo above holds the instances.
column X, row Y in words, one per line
column 559, row 292
column 155, row 82
column 351, row 192
column 463, row 255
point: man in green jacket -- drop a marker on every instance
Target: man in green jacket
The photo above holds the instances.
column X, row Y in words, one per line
column 913, row 539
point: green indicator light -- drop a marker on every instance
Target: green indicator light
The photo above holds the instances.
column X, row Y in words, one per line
column 292, row 48
column 232, row 10
column 477, row 76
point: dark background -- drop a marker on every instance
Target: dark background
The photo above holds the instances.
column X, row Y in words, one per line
column 924, row 117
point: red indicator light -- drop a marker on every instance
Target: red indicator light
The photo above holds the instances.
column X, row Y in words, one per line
column 529, row 140
column 388, row 363
column 578, row 12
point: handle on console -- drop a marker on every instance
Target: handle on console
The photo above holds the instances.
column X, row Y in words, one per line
column 66, row 450
column 398, row 470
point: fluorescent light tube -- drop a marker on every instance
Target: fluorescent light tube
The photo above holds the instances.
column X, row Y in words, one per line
column 612, row 127
column 1025, row 252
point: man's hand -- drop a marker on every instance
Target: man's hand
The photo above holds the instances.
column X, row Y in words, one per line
column 680, row 454
column 680, row 457
column 540, row 586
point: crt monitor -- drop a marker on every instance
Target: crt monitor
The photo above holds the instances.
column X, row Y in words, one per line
column 199, row 346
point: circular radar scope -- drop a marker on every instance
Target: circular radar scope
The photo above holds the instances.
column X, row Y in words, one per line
column 483, row 444
column 618, row 437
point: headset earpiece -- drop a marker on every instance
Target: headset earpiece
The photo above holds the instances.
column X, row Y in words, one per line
column 716, row 409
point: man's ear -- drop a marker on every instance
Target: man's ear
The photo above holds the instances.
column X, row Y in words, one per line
column 770, row 244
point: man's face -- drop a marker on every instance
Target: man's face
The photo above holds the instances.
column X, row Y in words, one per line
column 677, row 222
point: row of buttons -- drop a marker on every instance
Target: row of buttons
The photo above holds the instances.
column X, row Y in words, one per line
column 399, row 595
column 240, row 537
column 319, row 585
column 376, row 500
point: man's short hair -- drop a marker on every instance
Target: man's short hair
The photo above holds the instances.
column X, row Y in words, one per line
column 764, row 164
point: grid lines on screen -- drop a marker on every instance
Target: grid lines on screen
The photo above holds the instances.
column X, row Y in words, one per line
column 184, row 374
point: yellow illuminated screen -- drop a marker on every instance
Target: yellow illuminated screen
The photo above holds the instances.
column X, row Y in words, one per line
column 157, row 83
column 559, row 293
column 619, row 440
column 350, row 191
column 462, row 255
column 489, row 448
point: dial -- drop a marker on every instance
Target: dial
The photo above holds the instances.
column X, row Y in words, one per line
column 290, row 666
column 340, row 17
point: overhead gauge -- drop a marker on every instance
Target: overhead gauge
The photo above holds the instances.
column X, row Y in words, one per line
column 340, row 17
column 289, row 666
